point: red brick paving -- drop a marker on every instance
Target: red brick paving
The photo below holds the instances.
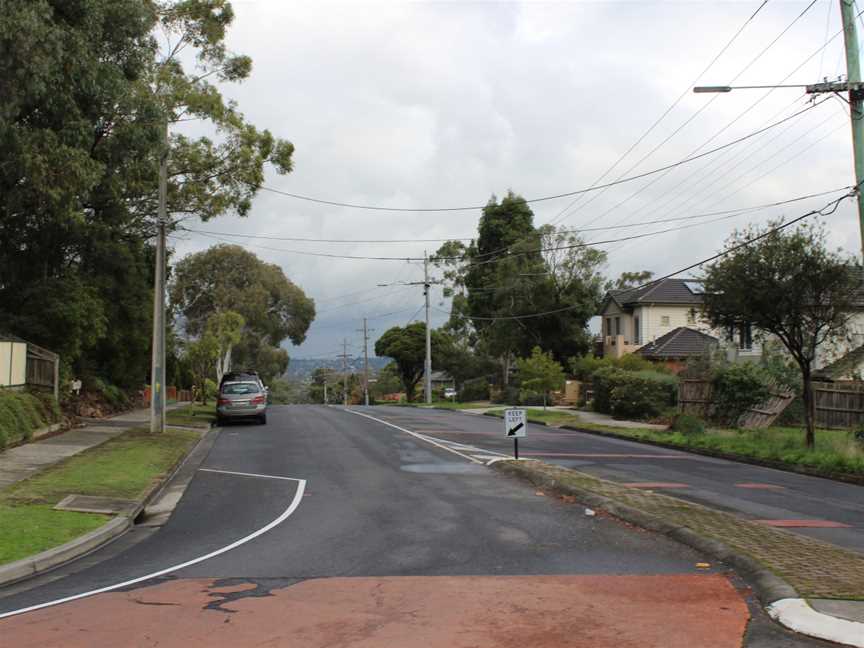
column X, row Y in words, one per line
column 675, row 611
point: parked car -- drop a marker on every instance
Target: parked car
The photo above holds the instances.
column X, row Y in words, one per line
column 242, row 399
column 449, row 392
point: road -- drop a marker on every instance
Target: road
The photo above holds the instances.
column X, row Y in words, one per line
column 821, row 508
column 327, row 528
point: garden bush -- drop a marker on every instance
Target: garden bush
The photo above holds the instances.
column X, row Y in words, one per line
column 603, row 380
column 641, row 394
column 687, row 424
column 737, row 388
column 474, row 390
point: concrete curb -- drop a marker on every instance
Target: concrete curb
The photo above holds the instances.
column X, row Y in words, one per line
column 779, row 598
column 117, row 526
column 729, row 456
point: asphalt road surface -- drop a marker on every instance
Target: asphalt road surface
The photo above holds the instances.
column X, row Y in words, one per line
column 327, row 528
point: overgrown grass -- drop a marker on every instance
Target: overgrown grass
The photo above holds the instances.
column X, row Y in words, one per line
column 836, row 451
column 124, row 467
column 22, row 413
column 192, row 415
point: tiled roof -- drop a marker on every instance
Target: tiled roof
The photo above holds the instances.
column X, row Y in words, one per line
column 681, row 342
column 843, row 367
column 666, row 291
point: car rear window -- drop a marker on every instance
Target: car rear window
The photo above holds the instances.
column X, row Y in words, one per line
column 240, row 388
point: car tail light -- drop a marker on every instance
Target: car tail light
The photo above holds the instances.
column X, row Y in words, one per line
column 258, row 400
column 223, row 401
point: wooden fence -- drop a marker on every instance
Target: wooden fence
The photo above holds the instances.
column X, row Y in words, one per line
column 839, row 404
column 696, row 397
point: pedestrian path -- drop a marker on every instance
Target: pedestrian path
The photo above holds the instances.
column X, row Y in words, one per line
column 26, row 460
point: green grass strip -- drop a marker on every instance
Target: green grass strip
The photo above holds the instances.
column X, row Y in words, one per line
column 27, row 530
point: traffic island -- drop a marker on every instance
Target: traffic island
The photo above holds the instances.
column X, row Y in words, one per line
column 786, row 570
column 78, row 504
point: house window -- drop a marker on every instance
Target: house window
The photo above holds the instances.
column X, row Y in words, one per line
column 664, row 320
column 608, row 326
column 635, row 330
column 691, row 316
column 741, row 335
column 617, row 326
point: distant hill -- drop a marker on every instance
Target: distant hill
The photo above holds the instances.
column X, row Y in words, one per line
column 302, row 368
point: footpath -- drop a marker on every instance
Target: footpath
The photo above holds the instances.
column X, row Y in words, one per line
column 65, row 495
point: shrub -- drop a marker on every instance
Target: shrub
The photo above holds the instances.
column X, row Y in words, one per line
column 641, row 394
column 687, row 424
column 583, row 368
column 737, row 388
column 474, row 390
column 602, row 382
column 633, row 362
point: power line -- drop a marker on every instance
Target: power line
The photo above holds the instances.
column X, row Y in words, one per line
column 656, row 123
column 827, row 210
column 550, row 197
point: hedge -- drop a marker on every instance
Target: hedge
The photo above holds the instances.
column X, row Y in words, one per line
column 22, row 413
column 642, row 394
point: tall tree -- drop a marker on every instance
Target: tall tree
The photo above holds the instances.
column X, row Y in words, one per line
column 227, row 278
column 787, row 284
column 89, row 87
column 407, row 346
column 631, row 280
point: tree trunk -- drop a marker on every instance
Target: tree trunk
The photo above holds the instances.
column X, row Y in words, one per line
column 809, row 408
column 544, row 401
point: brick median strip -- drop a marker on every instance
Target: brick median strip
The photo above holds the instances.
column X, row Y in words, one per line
column 801, row 566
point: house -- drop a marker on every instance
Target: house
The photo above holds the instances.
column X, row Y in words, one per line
column 678, row 346
column 632, row 318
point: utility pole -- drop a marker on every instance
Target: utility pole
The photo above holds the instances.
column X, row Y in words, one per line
column 344, row 357
column 365, row 330
column 856, row 101
column 427, row 379
column 325, row 390
column 852, row 85
column 157, row 373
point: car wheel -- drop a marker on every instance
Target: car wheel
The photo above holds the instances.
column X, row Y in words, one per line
column 263, row 419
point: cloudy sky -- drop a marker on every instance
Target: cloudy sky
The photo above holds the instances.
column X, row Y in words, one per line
column 444, row 104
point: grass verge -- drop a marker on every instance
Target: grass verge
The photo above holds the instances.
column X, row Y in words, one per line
column 22, row 413
column 127, row 467
column 836, row 452
column 200, row 416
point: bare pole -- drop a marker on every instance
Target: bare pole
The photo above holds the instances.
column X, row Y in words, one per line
column 365, row 330
column 856, row 101
column 428, row 364
column 345, row 371
column 157, row 373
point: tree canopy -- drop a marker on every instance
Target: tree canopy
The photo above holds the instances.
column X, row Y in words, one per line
column 227, row 278
column 540, row 373
column 407, row 346
column 788, row 284
column 88, row 87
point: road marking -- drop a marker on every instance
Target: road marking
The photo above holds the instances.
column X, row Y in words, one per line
column 422, row 437
column 244, row 474
column 298, row 497
column 604, row 455
column 655, row 485
column 804, row 524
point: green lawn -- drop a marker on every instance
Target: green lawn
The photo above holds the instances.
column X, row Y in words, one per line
column 124, row 467
column 192, row 415
column 836, row 450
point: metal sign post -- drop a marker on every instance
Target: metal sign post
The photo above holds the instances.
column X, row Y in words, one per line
column 515, row 426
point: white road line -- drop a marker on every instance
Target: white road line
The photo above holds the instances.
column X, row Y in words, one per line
column 243, row 474
column 298, row 497
column 416, row 435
